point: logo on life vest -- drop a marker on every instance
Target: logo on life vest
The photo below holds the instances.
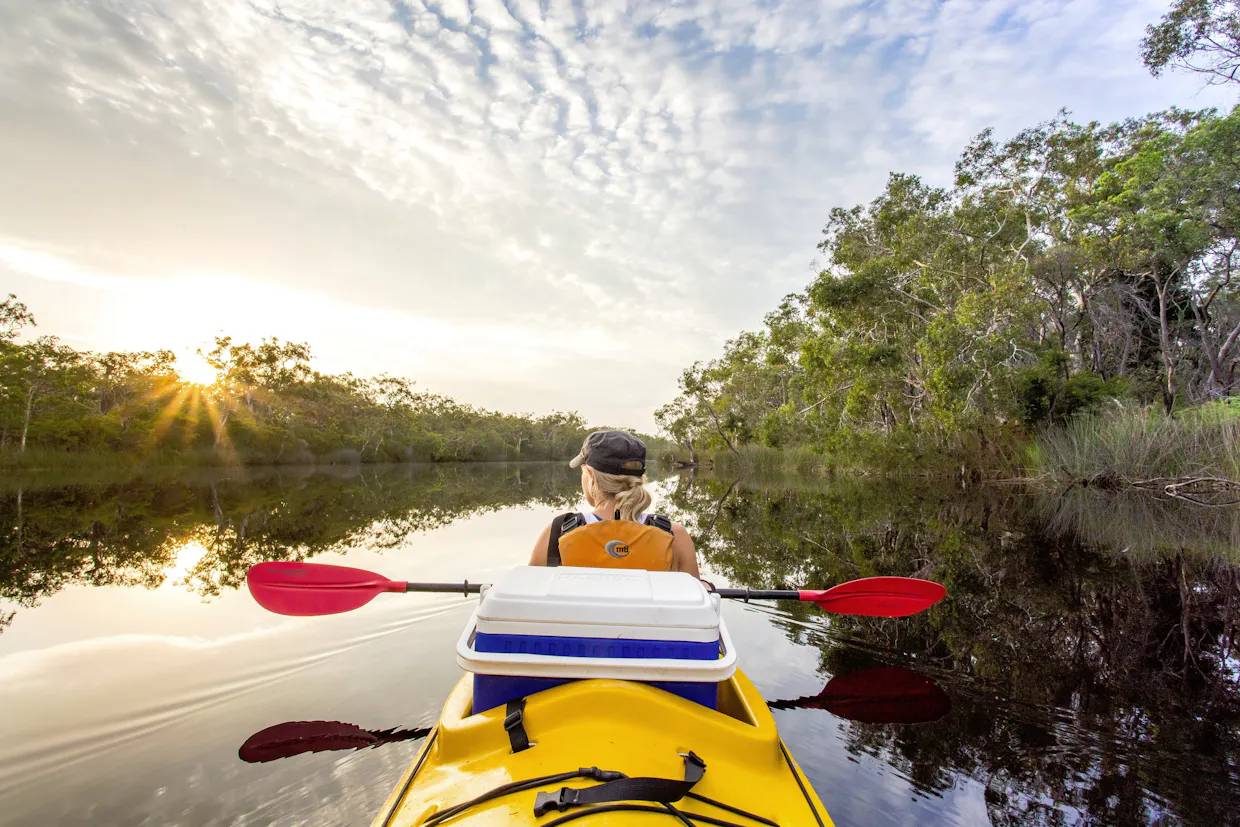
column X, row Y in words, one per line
column 617, row 549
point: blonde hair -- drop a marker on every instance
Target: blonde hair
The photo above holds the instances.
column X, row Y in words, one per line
column 630, row 492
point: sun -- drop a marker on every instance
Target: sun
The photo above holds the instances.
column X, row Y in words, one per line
column 194, row 369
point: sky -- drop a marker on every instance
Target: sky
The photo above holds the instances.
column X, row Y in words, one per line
column 529, row 206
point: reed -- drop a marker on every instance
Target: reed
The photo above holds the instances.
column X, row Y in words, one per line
column 758, row 459
column 1128, row 445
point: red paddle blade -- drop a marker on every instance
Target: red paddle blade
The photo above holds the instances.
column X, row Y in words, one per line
column 296, row 737
column 303, row 589
column 879, row 596
column 886, row 695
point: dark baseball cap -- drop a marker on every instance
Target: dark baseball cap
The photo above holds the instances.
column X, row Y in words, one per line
column 613, row 452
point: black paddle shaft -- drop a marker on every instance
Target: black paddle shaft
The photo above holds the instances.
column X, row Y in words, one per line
column 464, row 587
column 467, row 588
column 759, row 594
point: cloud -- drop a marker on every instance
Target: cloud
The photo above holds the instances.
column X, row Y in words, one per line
column 554, row 167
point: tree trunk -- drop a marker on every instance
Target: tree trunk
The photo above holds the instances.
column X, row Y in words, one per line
column 1214, row 351
column 219, row 428
column 26, row 423
column 719, row 430
column 688, row 443
column 1164, row 344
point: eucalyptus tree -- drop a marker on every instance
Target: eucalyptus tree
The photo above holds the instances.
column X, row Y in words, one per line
column 1199, row 36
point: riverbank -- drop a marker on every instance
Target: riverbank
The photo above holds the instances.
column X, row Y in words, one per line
column 1193, row 455
column 1197, row 448
column 971, row 454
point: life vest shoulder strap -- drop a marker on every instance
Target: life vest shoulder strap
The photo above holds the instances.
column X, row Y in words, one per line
column 660, row 521
column 560, row 526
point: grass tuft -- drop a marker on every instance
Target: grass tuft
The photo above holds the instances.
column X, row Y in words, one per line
column 1126, row 445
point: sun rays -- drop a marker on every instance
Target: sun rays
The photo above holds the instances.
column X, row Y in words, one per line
column 183, row 415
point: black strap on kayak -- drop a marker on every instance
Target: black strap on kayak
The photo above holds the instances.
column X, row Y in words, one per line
column 666, row 810
column 591, row 773
column 514, row 725
column 661, row 790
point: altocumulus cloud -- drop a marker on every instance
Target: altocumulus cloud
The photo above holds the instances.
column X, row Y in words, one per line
column 526, row 204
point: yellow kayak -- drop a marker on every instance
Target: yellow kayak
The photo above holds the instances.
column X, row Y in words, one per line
column 725, row 767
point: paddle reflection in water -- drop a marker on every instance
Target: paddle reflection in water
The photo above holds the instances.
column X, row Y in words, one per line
column 298, row 737
column 882, row 695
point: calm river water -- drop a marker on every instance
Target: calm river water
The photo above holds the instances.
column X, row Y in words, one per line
column 1087, row 646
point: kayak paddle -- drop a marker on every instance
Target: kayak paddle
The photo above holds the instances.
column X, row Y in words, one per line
column 883, row 695
column 305, row 589
column 869, row 596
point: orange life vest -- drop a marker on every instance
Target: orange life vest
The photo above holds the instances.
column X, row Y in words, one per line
column 611, row 544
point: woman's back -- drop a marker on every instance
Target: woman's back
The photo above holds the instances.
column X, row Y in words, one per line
column 620, row 533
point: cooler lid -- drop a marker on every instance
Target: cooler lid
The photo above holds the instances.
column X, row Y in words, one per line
column 603, row 597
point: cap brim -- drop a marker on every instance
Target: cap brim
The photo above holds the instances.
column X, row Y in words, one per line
column 576, row 461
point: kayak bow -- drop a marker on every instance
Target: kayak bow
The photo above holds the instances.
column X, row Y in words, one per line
column 616, row 729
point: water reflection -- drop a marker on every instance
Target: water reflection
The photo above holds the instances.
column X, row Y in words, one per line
column 1087, row 650
column 207, row 529
column 1092, row 653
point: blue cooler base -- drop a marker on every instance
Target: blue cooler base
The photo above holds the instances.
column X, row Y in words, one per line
column 595, row 647
column 495, row 690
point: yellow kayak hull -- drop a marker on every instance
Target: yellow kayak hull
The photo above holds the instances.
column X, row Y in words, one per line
column 614, row 725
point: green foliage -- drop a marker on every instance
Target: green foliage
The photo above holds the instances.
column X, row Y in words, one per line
column 267, row 405
column 1124, row 445
column 1069, row 265
column 1048, row 392
column 13, row 317
column 1198, row 35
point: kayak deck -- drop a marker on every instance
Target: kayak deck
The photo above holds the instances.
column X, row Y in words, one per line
column 614, row 725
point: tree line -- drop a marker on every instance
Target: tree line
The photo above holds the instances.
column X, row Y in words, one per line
column 267, row 405
column 1066, row 269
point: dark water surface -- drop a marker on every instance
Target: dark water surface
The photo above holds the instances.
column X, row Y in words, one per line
column 1088, row 646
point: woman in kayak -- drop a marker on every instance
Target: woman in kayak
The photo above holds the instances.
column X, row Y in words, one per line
column 619, row 533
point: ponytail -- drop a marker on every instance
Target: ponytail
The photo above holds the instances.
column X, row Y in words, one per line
column 630, row 492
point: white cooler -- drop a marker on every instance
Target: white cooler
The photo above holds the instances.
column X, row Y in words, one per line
column 539, row 627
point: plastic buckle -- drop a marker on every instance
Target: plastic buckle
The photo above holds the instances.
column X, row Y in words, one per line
column 555, row 802
column 514, row 720
column 692, row 757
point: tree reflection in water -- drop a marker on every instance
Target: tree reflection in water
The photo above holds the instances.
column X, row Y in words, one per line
column 132, row 532
column 1089, row 642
